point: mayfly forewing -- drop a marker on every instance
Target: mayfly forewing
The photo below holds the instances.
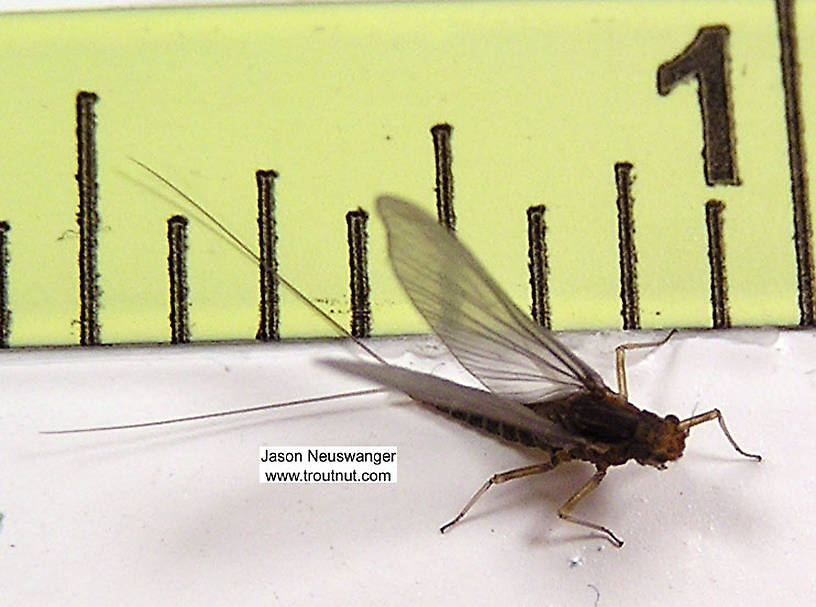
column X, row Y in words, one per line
column 447, row 395
column 469, row 312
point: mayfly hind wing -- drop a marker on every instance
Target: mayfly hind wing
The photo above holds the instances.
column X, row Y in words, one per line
column 486, row 332
column 436, row 391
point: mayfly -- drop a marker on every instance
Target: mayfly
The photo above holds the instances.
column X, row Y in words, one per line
column 538, row 392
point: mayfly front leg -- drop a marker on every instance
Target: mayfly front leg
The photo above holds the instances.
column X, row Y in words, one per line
column 589, row 487
column 711, row 415
column 497, row 479
column 620, row 359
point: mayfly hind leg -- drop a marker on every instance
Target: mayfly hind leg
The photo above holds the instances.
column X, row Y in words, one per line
column 497, row 479
column 712, row 415
column 620, row 359
column 588, row 487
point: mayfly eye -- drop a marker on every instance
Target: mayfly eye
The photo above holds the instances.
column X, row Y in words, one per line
column 673, row 419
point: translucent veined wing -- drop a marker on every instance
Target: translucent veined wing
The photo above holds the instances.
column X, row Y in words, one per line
column 436, row 391
column 489, row 335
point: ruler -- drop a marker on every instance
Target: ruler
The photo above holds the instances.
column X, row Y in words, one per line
column 614, row 164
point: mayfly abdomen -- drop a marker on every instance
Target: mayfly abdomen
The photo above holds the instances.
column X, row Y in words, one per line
column 508, row 432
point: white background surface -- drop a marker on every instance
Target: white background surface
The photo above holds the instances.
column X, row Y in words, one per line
column 175, row 515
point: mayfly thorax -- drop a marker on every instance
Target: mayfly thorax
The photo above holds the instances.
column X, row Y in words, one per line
column 538, row 392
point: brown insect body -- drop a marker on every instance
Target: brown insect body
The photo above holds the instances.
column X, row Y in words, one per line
column 616, row 431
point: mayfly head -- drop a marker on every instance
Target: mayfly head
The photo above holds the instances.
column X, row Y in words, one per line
column 662, row 440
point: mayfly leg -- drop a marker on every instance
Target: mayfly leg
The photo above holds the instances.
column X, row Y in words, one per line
column 498, row 479
column 620, row 359
column 564, row 512
column 711, row 415
column 588, row 487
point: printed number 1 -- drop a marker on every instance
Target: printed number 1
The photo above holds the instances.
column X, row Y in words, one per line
column 705, row 59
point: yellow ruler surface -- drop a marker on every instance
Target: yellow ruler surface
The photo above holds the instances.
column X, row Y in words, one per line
column 656, row 143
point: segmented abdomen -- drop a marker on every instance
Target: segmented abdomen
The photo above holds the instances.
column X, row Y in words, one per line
column 510, row 433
